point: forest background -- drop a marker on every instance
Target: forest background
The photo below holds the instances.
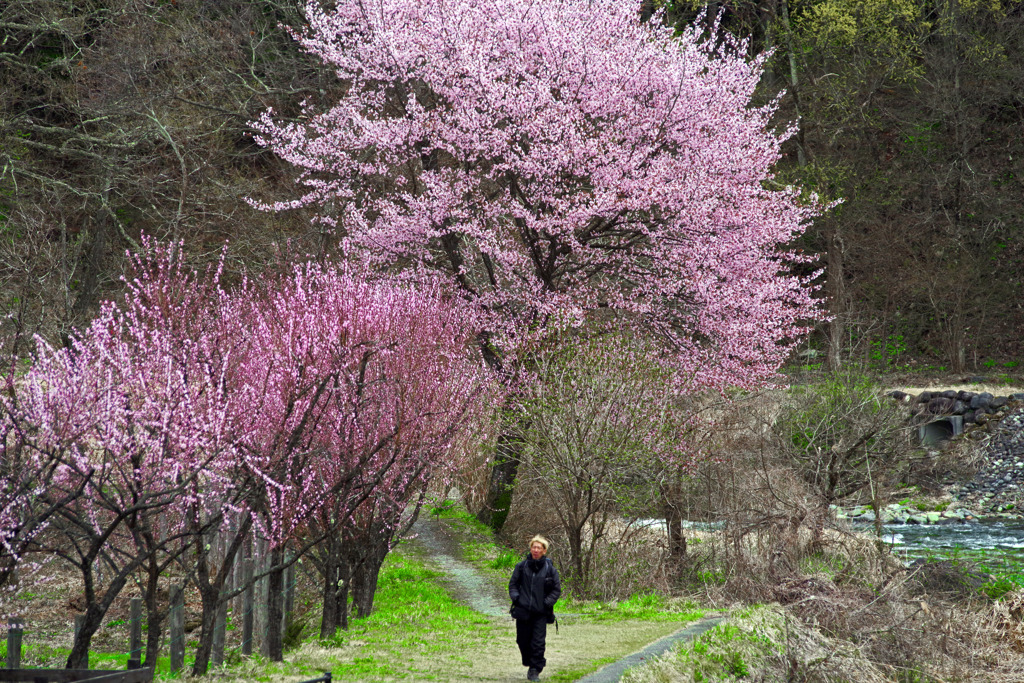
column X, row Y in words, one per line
column 120, row 118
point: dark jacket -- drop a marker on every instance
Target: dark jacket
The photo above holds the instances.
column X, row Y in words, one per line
column 534, row 589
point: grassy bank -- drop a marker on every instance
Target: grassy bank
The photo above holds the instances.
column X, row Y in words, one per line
column 758, row 643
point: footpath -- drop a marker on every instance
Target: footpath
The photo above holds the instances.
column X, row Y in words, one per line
column 576, row 644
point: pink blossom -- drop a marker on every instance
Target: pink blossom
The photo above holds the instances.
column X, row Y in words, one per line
column 555, row 159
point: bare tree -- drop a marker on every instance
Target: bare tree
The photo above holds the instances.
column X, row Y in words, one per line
column 843, row 437
column 598, row 427
column 125, row 118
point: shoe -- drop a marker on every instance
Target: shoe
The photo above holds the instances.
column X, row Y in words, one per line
column 533, row 675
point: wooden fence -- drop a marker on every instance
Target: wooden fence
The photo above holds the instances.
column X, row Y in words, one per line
column 250, row 605
column 15, row 674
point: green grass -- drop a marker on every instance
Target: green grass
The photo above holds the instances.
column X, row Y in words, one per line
column 474, row 551
column 643, row 606
column 456, row 513
column 713, row 576
column 412, row 615
column 999, row 587
column 826, row 564
column 713, row 662
column 727, row 652
column 505, row 561
column 1005, row 566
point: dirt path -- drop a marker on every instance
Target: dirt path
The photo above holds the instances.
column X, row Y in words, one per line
column 467, row 585
column 574, row 647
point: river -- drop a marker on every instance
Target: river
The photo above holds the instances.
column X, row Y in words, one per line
column 918, row 539
column 996, row 544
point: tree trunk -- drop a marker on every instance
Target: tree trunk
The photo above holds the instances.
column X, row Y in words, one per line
column 79, row 657
column 208, row 622
column 575, row 538
column 209, row 595
column 364, row 579
column 154, row 619
column 504, row 469
column 94, row 613
column 671, row 504
column 211, row 580
column 794, row 82
column 92, row 261
column 341, row 595
column 329, row 570
column 220, row 625
column 260, row 602
column 836, row 284
column 647, row 8
column 275, row 594
column 676, row 537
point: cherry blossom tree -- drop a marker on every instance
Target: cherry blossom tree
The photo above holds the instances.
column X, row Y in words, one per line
column 356, row 391
column 192, row 409
column 166, row 300
column 30, row 468
column 330, row 390
column 556, row 161
column 133, row 428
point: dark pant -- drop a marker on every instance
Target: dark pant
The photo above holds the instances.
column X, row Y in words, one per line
column 530, row 635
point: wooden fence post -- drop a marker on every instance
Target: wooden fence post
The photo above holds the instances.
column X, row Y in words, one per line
column 79, row 624
column 135, row 634
column 247, row 607
column 177, row 628
column 14, row 634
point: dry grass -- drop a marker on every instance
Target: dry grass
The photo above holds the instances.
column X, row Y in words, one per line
column 851, row 610
column 1008, row 619
column 894, row 640
column 850, row 613
column 764, row 643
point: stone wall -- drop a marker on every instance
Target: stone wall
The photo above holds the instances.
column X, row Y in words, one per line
column 997, row 424
column 974, row 408
column 998, row 487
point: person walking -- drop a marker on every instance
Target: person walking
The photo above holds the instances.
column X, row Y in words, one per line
column 534, row 589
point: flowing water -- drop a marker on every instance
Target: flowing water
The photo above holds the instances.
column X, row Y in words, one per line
column 999, row 546
column 1003, row 539
column 918, row 538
